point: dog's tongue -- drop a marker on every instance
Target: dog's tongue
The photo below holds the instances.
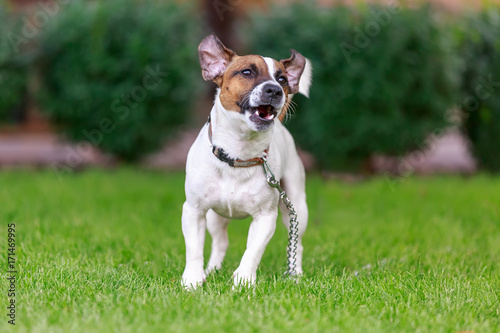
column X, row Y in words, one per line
column 265, row 111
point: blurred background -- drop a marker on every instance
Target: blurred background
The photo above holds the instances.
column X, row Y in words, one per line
column 399, row 87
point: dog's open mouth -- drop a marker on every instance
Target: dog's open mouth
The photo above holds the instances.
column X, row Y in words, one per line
column 264, row 112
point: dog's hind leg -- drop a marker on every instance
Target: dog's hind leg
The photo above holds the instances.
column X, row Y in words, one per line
column 293, row 183
column 217, row 227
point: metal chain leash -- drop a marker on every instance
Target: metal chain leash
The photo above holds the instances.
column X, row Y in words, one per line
column 294, row 224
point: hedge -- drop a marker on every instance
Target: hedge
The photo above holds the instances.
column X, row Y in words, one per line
column 13, row 72
column 383, row 76
column 120, row 74
column 481, row 86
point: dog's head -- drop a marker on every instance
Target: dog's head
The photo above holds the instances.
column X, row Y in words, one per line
column 256, row 87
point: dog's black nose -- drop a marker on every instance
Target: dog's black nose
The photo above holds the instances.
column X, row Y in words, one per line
column 272, row 91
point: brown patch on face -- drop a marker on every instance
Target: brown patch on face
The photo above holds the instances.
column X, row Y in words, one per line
column 235, row 85
column 281, row 71
column 285, row 108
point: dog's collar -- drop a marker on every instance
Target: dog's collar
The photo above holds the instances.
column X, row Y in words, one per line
column 234, row 162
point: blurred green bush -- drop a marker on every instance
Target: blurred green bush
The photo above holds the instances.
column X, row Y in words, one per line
column 383, row 76
column 481, row 86
column 13, row 72
column 120, row 74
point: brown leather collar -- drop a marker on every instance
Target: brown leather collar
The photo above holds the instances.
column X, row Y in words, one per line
column 234, row 162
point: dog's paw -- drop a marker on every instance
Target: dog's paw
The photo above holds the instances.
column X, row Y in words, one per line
column 212, row 269
column 241, row 278
column 193, row 279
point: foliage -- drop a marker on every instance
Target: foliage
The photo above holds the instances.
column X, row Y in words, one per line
column 481, row 86
column 383, row 76
column 13, row 73
column 120, row 74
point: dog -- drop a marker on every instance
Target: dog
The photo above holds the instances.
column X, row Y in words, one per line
column 224, row 175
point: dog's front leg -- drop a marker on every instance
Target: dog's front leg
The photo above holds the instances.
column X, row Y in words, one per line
column 193, row 228
column 261, row 231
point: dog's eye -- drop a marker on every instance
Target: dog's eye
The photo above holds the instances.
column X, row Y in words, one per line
column 282, row 80
column 247, row 72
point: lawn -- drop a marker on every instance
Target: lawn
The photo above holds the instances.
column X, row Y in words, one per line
column 102, row 251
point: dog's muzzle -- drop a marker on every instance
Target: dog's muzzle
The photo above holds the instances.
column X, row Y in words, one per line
column 271, row 100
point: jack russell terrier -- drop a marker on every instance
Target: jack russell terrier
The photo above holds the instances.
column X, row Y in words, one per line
column 223, row 180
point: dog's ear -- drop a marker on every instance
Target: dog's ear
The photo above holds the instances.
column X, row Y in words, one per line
column 214, row 58
column 294, row 67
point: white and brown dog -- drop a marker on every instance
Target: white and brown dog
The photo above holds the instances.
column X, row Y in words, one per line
column 223, row 180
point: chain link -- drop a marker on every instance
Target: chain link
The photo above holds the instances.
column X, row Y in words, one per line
column 293, row 231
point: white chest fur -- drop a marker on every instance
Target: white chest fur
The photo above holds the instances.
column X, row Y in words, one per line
column 232, row 192
column 242, row 198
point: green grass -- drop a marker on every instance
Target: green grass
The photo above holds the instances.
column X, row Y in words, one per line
column 103, row 251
